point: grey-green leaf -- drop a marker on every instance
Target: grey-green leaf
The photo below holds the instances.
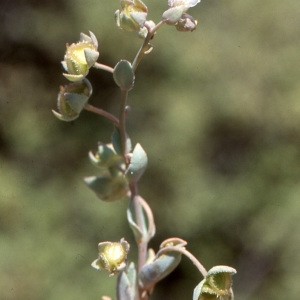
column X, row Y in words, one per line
column 153, row 272
column 127, row 287
column 138, row 233
column 138, row 164
column 117, row 143
column 124, row 75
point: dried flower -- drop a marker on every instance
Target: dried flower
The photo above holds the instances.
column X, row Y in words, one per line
column 112, row 256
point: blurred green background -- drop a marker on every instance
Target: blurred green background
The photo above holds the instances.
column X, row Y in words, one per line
column 218, row 112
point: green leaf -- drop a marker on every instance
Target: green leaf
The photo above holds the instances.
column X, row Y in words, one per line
column 138, row 164
column 123, row 75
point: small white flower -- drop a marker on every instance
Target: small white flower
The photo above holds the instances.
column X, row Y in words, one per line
column 186, row 3
column 176, row 9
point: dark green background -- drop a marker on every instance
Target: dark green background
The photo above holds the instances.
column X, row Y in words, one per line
column 218, row 112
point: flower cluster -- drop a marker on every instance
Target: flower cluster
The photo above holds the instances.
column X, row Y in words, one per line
column 133, row 16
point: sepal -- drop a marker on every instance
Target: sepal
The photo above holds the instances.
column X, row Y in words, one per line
column 108, row 188
column 106, row 157
column 132, row 16
column 173, row 14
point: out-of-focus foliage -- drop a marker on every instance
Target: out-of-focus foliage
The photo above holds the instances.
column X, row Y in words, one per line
column 218, row 113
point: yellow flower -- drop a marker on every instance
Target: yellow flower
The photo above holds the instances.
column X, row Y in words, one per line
column 80, row 57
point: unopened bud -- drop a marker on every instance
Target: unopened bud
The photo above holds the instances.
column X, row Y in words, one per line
column 186, row 23
column 71, row 99
column 133, row 15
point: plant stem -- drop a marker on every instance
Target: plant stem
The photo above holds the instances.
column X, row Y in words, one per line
column 101, row 112
column 142, row 245
column 185, row 252
column 145, row 47
column 103, row 67
column 122, row 123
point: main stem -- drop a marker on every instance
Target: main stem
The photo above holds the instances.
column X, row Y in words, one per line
column 122, row 124
column 142, row 247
